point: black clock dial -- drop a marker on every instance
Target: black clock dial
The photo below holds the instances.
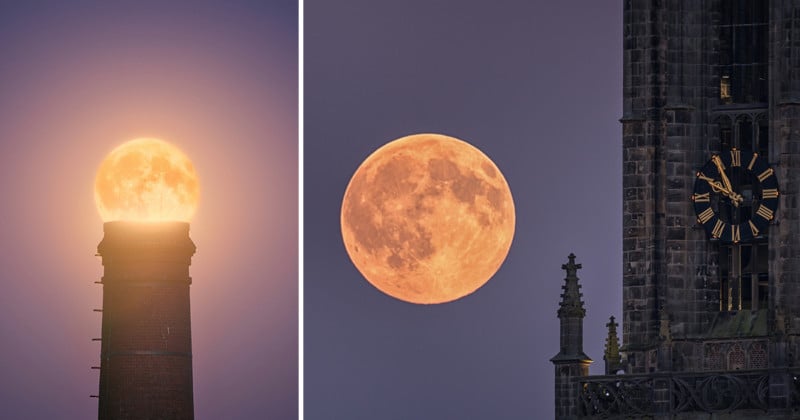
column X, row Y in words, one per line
column 735, row 196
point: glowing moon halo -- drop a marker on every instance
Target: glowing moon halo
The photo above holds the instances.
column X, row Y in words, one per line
column 427, row 218
column 146, row 180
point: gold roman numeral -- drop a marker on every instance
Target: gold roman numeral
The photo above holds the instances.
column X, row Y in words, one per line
column 736, row 158
column 769, row 193
column 753, row 228
column 764, row 212
column 718, row 227
column 702, row 198
column 735, row 233
column 706, row 215
column 752, row 162
column 764, row 175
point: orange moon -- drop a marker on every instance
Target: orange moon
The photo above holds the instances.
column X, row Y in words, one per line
column 146, row 180
column 427, row 218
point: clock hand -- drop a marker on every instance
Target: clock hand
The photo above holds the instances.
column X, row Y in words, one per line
column 716, row 186
column 718, row 162
column 734, row 196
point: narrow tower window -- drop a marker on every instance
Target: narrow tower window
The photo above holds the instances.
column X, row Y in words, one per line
column 743, row 64
column 743, row 269
column 743, row 35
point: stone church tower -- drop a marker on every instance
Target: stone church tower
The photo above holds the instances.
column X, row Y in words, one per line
column 711, row 224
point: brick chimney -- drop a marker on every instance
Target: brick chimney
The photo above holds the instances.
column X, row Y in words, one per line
column 146, row 350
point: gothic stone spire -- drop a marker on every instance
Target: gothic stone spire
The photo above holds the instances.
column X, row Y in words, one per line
column 571, row 313
column 571, row 363
column 571, row 304
column 611, row 354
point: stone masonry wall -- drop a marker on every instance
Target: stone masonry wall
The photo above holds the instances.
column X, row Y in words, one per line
column 785, row 157
column 643, row 97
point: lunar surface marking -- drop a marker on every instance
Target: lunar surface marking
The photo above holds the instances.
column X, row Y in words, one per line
column 146, row 180
column 427, row 218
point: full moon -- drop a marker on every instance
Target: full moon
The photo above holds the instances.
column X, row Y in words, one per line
column 146, row 180
column 427, row 218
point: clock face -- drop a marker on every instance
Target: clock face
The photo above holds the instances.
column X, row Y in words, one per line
column 735, row 196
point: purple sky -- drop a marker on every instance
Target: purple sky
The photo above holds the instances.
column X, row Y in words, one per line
column 537, row 86
column 217, row 79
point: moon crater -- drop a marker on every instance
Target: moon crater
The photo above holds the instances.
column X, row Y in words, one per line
column 427, row 218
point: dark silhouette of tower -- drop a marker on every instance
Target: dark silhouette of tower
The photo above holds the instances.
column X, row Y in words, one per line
column 711, row 225
column 146, row 350
column 570, row 362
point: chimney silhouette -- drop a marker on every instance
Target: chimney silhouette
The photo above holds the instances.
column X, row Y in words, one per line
column 146, row 350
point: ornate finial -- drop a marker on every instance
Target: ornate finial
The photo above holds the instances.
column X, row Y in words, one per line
column 571, row 303
column 571, row 267
column 611, row 354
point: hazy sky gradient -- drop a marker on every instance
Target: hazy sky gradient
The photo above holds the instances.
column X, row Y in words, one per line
column 537, row 86
column 217, row 79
